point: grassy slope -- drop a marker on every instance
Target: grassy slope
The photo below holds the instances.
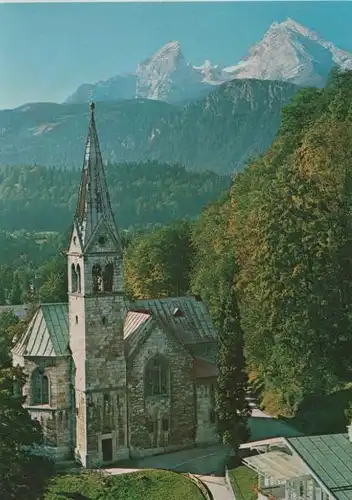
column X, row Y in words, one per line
column 243, row 481
column 143, row 485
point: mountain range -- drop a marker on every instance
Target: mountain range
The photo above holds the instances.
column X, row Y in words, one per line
column 287, row 52
column 205, row 117
column 219, row 132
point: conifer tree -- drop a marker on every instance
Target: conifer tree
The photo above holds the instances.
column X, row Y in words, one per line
column 15, row 296
column 22, row 473
column 231, row 405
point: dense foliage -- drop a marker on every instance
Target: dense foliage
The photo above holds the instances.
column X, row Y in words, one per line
column 290, row 226
column 42, row 199
column 158, row 264
column 22, row 473
column 32, row 266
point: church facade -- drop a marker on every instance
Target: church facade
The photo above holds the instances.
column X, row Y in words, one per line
column 111, row 379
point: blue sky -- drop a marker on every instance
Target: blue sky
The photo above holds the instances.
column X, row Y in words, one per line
column 49, row 49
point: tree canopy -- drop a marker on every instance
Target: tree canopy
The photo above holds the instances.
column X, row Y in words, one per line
column 288, row 221
column 36, row 198
column 22, row 474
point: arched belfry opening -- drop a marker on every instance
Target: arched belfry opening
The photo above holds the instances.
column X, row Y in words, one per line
column 97, row 278
column 78, row 273
column 108, row 277
column 74, row 280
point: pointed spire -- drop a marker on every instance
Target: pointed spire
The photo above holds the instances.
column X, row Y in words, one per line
column 93, row 199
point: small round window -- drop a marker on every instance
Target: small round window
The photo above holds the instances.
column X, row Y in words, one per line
column 102, row 240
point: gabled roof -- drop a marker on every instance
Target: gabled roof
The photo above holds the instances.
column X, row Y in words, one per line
column 136, row 326
column 47, row 333
column 329, row 458
column 194, row 325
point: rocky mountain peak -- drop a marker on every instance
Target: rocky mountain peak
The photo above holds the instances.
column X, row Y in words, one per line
column 288, row 51
column 167, row 58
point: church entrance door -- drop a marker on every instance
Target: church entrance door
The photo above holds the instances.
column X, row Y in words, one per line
column 106, row 445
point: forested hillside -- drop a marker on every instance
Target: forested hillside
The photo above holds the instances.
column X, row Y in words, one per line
column 222, row 131
column 219, row 132
column 54, row 134
column 142, row 194
column 287, row 223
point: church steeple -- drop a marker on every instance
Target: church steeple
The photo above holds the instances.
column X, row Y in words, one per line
column 96, row 314
column 93, row 199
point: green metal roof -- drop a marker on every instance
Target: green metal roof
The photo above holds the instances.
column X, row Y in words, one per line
column 47, row 334
column 56, row 319
column 329, row 457
column 192, row 325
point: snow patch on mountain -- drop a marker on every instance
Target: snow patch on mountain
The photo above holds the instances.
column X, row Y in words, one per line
column 166, row 75
column 291, row 52
column 288, row 52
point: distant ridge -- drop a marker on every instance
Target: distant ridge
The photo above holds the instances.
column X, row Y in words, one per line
column 219, row 132
column 288, row 52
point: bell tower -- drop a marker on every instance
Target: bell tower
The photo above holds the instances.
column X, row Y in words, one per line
column 97, row 312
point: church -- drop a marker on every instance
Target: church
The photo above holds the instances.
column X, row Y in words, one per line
column 110, row 379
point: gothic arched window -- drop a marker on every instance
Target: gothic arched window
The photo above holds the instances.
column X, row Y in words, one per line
column 40, row 388
column 157, row 377
column 78, row 271
column 73, row 279
column 97, row 278
column 108, row 277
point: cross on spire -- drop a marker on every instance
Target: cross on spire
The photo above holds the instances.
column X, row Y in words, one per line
column 93, row 199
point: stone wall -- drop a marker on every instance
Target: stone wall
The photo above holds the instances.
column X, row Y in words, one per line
column 161, row 423
column 106, row 419
column 96, row 320
column 56, row 417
